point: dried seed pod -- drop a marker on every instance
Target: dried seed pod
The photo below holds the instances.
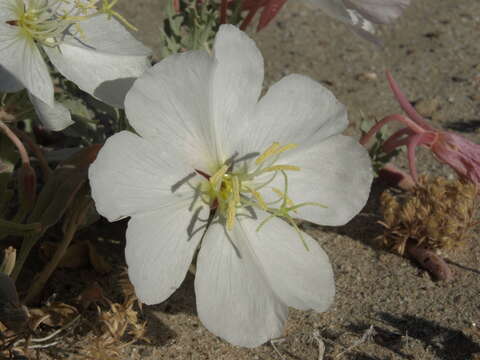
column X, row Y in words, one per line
column 438, row 213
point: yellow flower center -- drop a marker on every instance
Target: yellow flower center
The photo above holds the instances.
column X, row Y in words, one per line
column 45, row 21
column 228, row 191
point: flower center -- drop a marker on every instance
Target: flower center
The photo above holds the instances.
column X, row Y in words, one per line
column 229, row 190
column 44, row 21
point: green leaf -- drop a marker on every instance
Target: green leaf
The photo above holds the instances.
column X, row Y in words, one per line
column 62, row 186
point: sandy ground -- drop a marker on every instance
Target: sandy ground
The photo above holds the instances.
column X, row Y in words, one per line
column 434, row 53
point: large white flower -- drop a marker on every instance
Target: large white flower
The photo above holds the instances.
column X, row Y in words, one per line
column 213, row 164
column 361, row 15
column 84, row 42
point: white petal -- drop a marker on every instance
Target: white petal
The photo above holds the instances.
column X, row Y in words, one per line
column 350, row 16
column 302, row 278
column 132, row 176
column 108, row 77
column 333, row 8
column 295, row 110
column 361, row 15
column 160, row 247
column 56, row 117
column 22, row 59
column 107, row 36
column 171, row 102
column 379, row 11
column 8, row 82
column 234, row 299
column 336, row 173
column 237, row 82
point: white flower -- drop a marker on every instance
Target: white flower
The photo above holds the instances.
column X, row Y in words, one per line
column 82, row 40
column 361, row 15
column 210, row 165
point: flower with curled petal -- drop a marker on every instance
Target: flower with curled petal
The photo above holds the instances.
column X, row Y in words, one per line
column 360, row 15
column 217, row 170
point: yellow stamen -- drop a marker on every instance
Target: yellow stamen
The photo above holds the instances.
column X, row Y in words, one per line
column 283, row 196
column 281, row 168
column 274, row 149
column 258, row 197
column 267, row 153
column 216, row 179
column 236, row 189
column 286, row 147
column 231, row 211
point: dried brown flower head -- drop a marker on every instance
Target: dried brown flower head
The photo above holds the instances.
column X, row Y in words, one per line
column 436, row 214
column 120, row 326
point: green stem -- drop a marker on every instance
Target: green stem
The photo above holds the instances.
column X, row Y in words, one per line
column 73, row 222
column 27, row 245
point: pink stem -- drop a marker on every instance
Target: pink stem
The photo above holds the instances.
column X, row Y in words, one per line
column 405, row 104
column 223, row 11
column 37, row 152
column 248, row 19
column 252, row 7
column 176, row 6
column 430, row 261
column 412, row 144
column 16, row 141
column 396, row 140
column 396, row 117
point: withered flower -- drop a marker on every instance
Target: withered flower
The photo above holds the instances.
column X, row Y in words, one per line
column 450, row 148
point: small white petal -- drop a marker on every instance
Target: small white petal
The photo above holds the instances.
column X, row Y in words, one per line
column 234, row 299
column 132, row 176
column 171, row 102
column 108, row 77
column 20, row 56
column 355, row 20
column 107, row 36
column 302, row 278
column 295, row 110
column 160, row 248
column 56, row 117
column 336, row 173
column 379, row 11
column 237, row 82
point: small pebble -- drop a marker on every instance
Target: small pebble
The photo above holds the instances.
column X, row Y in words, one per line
column 367, row 76
column 427, row 107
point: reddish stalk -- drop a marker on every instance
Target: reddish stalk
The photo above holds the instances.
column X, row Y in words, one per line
column 430, row 261
column 36, row 151
column 223, row 11
column 405, row 104
column 396, row 117
column 16, row 141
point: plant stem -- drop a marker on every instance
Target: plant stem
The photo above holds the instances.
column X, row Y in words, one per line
column 72, row 222
column 36, row 151
column 16, row 141
column 430, row 261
